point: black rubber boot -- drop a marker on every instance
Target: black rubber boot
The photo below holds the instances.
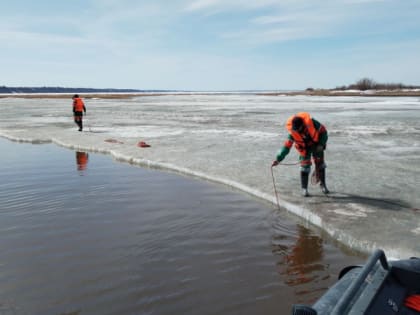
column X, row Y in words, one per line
column 304, row 178
column 322, row 180
column 80, row 123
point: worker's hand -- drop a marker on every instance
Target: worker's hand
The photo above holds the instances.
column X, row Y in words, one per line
column 275, row 163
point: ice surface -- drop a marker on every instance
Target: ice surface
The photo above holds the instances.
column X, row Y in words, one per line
column 373, row 153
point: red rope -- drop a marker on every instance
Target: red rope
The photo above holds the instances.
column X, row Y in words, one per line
column 315, row 178
column 274, row 182
column 275, row 189
column 288, row 164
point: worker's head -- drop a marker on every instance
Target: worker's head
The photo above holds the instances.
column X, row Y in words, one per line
column 297, row 124
column 76, row 96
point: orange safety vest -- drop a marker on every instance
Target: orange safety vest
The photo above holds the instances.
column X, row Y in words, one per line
column 78, row 105
column 300, row 144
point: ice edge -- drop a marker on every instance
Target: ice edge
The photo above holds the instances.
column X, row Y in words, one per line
column 363, row 246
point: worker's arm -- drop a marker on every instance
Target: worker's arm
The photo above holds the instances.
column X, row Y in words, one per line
column 281, row 154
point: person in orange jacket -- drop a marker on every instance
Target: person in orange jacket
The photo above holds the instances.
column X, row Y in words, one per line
column 310, row 138
column 78, row 109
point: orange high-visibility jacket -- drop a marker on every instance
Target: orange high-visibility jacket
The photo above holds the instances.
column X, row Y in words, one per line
column 78, row 105
column 312, row 131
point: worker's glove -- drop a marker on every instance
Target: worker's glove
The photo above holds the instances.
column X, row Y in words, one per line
column 275, row 163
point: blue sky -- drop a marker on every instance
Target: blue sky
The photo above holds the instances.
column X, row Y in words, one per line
column 209, row 44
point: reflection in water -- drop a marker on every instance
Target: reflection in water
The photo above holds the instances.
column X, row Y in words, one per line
column 82, row 159
column 97, row 244
column 302, row 261
column 303, row 258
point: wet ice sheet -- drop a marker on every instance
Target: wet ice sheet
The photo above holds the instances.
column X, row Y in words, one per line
column 372, row 155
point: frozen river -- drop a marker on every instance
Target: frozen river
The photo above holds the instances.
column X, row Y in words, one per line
column 373, row 153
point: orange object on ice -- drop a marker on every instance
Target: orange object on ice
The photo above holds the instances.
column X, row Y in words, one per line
column 143, row 144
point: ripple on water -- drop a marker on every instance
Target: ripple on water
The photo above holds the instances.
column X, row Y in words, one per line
column 122, row 240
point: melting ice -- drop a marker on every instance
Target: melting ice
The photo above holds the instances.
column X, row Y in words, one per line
column 373, row 153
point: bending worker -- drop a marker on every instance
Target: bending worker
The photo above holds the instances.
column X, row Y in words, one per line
column 78, row 109
column 310, row 139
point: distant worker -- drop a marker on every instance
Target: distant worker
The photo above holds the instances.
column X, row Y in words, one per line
column 78, row 109
column 310, row 139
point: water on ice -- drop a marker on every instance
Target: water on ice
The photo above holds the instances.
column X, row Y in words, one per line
column 373, row 153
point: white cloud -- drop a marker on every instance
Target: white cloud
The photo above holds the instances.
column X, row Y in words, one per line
column 257, row 37
column 274, row 19
column 202, row 4
column 363, row 1
column 23, row 38
column 223, row 5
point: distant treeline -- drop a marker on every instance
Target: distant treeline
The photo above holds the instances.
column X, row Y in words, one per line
column 49, row 89
column 369, row 84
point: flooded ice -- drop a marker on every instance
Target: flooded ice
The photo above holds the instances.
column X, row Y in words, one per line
column 373, row 152
column 94, row 236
